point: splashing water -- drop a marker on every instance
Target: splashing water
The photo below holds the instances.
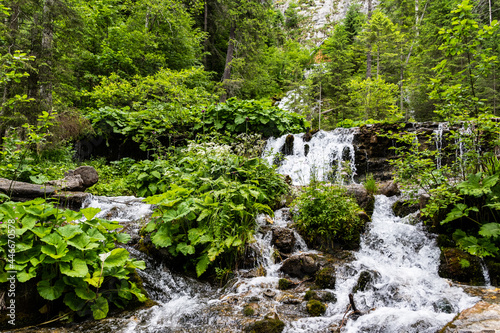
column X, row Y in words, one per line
column 327, row 156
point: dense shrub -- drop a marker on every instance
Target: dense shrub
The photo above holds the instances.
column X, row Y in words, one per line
column 326, row 215
column 244, row 116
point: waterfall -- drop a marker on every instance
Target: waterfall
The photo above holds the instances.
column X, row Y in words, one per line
column 439, row 142
column 328, row 156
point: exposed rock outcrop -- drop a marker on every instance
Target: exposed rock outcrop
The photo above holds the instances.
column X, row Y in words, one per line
column 482, row 317
column 300, row 266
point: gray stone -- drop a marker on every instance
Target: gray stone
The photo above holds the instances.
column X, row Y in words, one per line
column 283, row 239
column 89, row 175
column 482, row 317
column 300, row 265
column 389, row 189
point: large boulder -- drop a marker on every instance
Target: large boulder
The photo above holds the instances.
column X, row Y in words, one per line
column 482, row 317
column 89, row 175
column 283, row 239
column 452, row 267
column 389, row 189
column 300, row 265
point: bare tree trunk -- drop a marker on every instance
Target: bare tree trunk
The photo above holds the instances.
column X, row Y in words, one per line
column 205, row 29
column 46, row 54
column 369, row 54
column 229, row 58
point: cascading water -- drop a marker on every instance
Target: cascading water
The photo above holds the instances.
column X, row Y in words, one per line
column 328, row 156
column 439, row 142
column 405, row 292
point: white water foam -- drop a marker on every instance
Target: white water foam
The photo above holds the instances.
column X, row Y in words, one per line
column 325, row 150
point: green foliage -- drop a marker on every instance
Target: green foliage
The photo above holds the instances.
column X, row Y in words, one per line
column 237, row 117
column 75, row 261
column 326, row 212
column 207, row 200
column 370, row 184
column 457, row 90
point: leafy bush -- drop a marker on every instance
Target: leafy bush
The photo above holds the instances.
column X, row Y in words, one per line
column 246, row 116
column 207, row 215
column 76, row 261
column 326, row 215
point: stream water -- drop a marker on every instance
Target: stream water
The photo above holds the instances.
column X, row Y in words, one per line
column 403, row 292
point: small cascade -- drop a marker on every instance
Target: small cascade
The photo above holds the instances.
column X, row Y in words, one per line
column 462, row 147
column 122, row 209
column 401, row 289
column 328, row 156
column 438, row 137
column 486, row 274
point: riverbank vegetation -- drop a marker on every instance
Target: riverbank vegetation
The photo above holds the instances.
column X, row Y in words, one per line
column 173, row 101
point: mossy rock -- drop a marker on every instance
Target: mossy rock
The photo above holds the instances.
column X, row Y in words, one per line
column 404, row 208
column 311, row 294
column 325, row 278
column 460, row 266
column 266, row 326
column 365, row 280
column 315, row 308
column 285, row 284
column 249, row 309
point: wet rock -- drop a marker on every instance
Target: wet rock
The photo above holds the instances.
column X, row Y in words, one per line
column 460, row 266
column 89, row 175
column 404, row 208
column 389, row 189
column 288, row 146
column 269, row 293
column 283, row 239
column 72, row 200
column 325, row 278
column 300, row 265
column 481, row 318
column 365, row 200
column 443, row 305
column 315, row 308
column 366, row 280
column 268, row 325
column 423, row 200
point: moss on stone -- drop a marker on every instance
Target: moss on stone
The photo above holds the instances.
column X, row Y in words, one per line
column 325, row 278
column 284, row 284
column 266, row 326
column 248, row 311
column 310, row 294
column 315, row 308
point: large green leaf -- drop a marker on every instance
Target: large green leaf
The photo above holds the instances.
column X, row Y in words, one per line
column 84, row 292
column 90, row 212
column 162, row 237
column 73, row 302
column 69, row 231
column 490, row 230
column 100, row 308
column 185, row 249
column 49, row 291
column 118, row 257
column 82, row 242
column 79, row 269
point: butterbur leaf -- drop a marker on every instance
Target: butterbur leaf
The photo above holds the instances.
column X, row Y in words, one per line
column 79, row 269
column 49, row 291
column 122, row 238
column 73, row 302
column 100, row 308
column 90, row 212
column 118, row 257
column 69, row 231
column 490, row 230
column 85, row 293
column 95, row 280
column 459, row 211
column 150, row 227
column 23, row 276
column 95, row 235
column 137, row 292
